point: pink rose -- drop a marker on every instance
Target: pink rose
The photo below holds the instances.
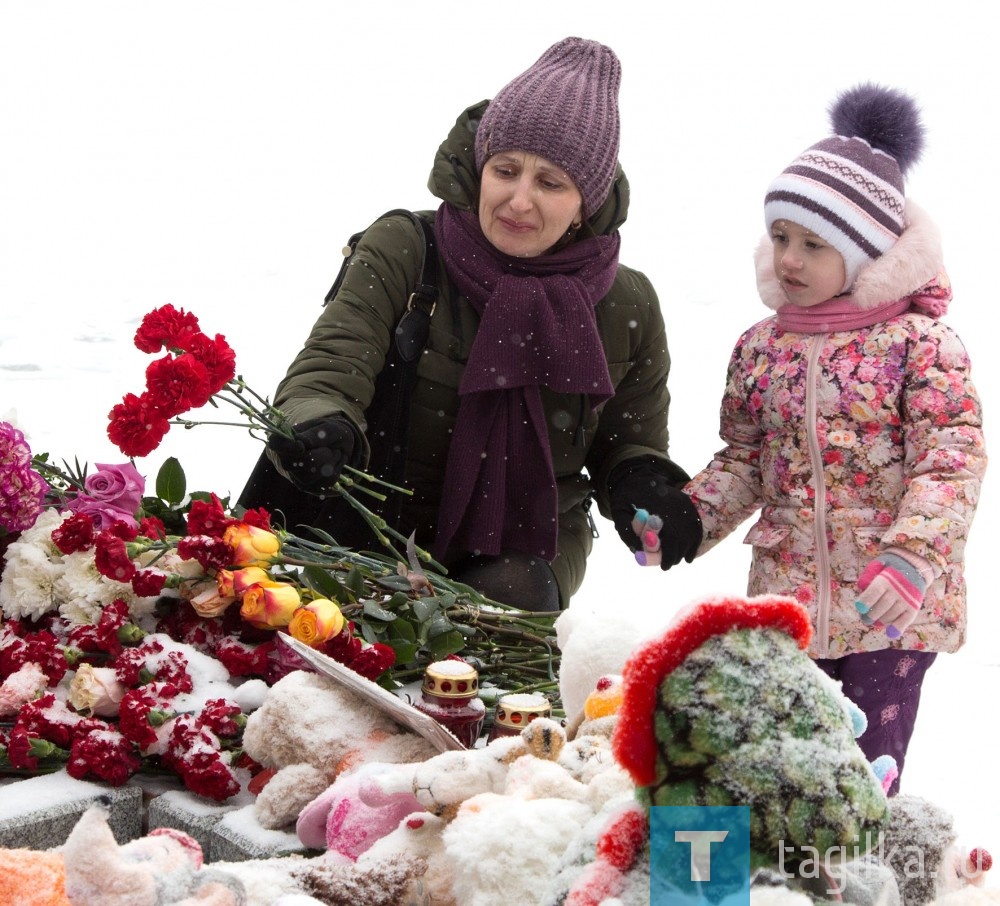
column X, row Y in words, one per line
column 21, row 687
column 112, row 493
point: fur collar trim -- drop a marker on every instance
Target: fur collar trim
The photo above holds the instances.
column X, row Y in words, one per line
column 914, row 260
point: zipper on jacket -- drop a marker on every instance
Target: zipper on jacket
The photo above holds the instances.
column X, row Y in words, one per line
column 587, row 503
column 819, row 495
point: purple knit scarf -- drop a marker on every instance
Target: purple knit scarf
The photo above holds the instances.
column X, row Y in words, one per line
column 537, row 328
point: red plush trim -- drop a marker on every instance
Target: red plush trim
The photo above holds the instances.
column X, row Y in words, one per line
column 634, row 741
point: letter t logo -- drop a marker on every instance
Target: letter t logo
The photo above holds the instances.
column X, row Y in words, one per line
column 701, row 850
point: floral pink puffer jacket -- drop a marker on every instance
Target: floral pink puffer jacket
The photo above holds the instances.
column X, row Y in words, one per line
column 848, row 443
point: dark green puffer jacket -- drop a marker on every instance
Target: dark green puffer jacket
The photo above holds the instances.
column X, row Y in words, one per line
column 335, row 371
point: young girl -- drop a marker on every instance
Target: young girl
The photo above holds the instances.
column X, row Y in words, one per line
column 851, row 421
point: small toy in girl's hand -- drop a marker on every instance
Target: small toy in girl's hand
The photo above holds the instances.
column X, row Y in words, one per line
column 647, row 528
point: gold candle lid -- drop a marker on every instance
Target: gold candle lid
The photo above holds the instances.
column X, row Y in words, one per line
column 451, row 679
column 520, row 708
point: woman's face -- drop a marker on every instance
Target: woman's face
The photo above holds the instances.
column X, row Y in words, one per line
column 526, row 203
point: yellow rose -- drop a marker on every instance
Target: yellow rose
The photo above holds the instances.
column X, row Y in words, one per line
column 317, row 622
column 252, row 546
column 271, row 605
column 96, row 690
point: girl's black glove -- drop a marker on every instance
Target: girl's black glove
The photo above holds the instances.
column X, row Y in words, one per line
column 317, row 454
column 652, row 485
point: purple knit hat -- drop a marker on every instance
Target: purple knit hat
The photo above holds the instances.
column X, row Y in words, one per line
column 848, row 189
column 565, row 109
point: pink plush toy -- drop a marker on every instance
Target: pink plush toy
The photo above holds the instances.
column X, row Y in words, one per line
column 354, row 812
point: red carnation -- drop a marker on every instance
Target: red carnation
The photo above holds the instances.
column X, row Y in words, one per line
column 104, row 754
column 105, row 636
column 207, row 517
column 152, row 527
column 25, row 750
column 167, row 327
column 222, row 717
column 259, row 518
column 373, row 661
column 112, row 559
column 75, row 534
column 136, row 427
column 142, row 710
column 148, row 583
column 48, row 718
column 211, row 553
column 177, row 384
column 218, row 358
column 241, row 659
column 40, row 647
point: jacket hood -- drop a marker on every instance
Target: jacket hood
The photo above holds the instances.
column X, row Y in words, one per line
column 914, row 260
column 454, row 177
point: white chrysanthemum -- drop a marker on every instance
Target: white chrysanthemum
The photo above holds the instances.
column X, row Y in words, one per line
column 32, row 570
column 83, row 592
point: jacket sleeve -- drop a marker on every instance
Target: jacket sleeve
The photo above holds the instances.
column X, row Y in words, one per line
column 335, row 371
column 633, row 423
column 945, row 451
column 728, row 490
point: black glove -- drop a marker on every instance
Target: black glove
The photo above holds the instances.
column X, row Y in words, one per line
column 647, row 485
column 317, row 454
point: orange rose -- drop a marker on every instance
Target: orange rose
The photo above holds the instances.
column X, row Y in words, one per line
column 270, row 606
column 237, row 581
column 251, row 546
column 317, row 622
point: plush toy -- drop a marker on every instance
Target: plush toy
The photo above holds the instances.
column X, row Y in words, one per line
column 29, row 877
column 922, row 848
column 308, row 731
column 354, row 812
column 163, row 868
column 726, row 708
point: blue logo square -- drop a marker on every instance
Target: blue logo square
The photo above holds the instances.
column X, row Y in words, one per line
column 699, row 855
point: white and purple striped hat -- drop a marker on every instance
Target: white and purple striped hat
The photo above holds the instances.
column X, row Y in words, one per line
column 848, row 189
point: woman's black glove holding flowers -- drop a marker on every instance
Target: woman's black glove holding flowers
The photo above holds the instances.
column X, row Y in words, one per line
column 654, row 485
column 317, row 454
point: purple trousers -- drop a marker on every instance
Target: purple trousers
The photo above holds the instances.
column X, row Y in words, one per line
column 886, row 686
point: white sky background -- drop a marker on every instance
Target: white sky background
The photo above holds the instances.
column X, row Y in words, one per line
column 216, row 156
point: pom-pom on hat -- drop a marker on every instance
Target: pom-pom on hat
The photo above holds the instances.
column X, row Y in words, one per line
column 565, row 109
column 848, row 189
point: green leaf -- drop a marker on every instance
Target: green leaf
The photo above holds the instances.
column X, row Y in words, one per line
column 446, row 643
column 402, row 630
column 377, row 612
column 356, row 582
column 439, row 625
column 371, row 633
column 171, row 483
column 406, row 652
column 425, row 608
column 323, row 582
column 394, row 582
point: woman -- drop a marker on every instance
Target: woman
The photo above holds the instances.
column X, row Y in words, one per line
column 543, row 382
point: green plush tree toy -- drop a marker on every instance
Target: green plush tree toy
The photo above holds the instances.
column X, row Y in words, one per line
column 726, row 708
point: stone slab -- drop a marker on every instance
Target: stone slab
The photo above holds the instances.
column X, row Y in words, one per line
column 192, row 814
column 40, row 812
column 237, row 837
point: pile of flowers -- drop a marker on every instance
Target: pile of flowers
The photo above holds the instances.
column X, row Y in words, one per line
column 108, row 595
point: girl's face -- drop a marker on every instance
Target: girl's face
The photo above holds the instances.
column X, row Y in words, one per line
column 526, row 203
column 809, row 269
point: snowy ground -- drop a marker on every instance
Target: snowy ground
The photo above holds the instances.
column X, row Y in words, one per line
column 217, row 158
